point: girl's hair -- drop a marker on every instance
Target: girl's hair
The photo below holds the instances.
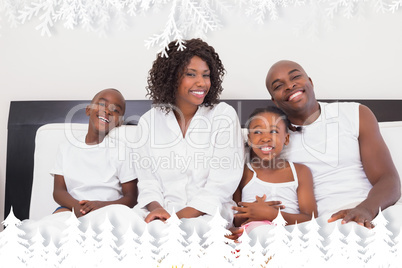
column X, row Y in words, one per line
column 166, row 73
column 269, row 109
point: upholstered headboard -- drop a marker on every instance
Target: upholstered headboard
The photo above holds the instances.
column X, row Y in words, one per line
column 26, row 117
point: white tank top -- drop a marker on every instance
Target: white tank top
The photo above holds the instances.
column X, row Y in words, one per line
column 285, row 191
column 330, row 148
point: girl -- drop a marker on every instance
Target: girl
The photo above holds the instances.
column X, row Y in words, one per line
column 192, row 142
column 268, row 177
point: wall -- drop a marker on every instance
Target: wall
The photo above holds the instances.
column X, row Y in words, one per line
column 359, row 58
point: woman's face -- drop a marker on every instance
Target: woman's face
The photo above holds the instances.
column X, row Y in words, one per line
column 194, row 85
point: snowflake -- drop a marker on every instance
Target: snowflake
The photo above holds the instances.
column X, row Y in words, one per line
column 186, row 19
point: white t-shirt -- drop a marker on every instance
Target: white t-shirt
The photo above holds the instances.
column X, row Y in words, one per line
column 94, row 172
column 201, row 170
column 330, row 148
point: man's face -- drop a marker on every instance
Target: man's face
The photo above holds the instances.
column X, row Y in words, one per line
column 290, row 87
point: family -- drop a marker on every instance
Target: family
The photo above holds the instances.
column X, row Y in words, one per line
column 303, row 157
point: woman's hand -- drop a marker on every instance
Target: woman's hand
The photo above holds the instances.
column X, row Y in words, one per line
column 157, row 214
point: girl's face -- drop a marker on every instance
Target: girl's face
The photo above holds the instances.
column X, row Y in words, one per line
column 267, row 135
column 194, row 85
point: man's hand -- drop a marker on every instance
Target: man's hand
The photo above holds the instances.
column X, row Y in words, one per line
column 157, row 214
column 258, row 210
column 88, row 206
column 359, row 215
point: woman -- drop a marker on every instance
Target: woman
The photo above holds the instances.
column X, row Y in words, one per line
column 192, row 159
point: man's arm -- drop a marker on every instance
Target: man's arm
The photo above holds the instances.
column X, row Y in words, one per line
column 380, row 171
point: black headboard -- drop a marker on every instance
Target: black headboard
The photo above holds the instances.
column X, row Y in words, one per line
column 26, row 117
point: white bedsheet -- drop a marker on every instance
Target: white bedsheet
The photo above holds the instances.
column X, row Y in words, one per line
column 53, row 229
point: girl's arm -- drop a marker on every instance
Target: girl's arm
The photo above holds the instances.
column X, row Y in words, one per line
column 305, row 195
column 129, row 199
column 62, row 197
column 261, row 210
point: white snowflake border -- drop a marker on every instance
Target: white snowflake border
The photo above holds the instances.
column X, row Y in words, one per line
column 186, row 17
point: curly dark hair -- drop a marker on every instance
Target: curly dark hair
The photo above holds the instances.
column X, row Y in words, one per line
column 166, row 72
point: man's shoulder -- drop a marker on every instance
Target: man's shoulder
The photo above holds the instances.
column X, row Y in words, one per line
column 336, row 109
column 339, row 104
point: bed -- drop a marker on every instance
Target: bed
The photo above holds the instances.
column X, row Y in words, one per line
column 26, row 117
column 33, row 126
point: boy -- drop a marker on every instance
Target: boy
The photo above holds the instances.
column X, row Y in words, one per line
column 88, row 173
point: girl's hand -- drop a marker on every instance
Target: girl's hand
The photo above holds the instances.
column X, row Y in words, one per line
column 236, row 233
column 258, row 210
column 157, row 214
column 88, row 206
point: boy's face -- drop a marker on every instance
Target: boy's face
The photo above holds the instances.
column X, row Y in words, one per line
column 106, row 111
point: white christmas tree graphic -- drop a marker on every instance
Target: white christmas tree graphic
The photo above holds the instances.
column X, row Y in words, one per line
column 71, row 250
column 379, row 244
column 107, row 255
column 218, row 252
column 296, row 248
column 336, row 248
column 52, row 257
column 129, row 247
column 260, row 259
column 243, row 251
column 147, row 250
column 314, row 248
column 172, row 248
column 38, row 251
column 398, row 248
column 353, row 249
column 278, row 241
column 90, row 247
column 14, row 251
column 194, row 251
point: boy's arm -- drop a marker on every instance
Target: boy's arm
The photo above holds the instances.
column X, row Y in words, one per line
column 62, row 197
column 129, row 198
column 380, row 171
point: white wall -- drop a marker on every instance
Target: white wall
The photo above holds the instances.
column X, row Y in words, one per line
column 358, row 59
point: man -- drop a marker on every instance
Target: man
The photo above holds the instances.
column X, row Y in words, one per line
column 341, row 143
